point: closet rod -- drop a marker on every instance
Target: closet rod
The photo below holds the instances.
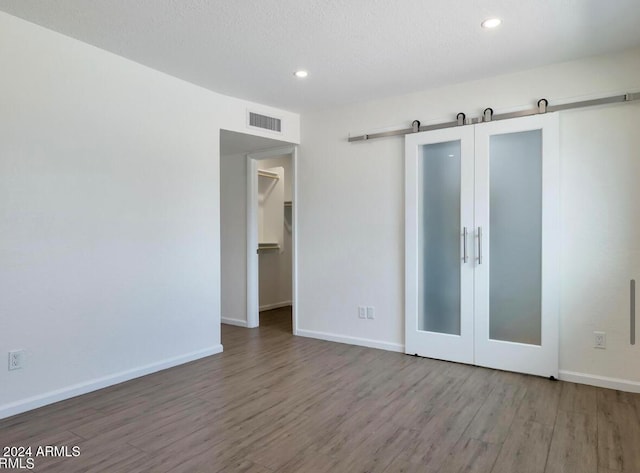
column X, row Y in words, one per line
column 488, row 116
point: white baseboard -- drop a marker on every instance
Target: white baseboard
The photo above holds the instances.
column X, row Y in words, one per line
column 601, row 381
column 277, row 305
column 68, row 392
column 363, row 342
column 229, row 321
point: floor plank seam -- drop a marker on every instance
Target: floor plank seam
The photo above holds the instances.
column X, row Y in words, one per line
column 553, row 432
column 508, row 430
column 78, row 435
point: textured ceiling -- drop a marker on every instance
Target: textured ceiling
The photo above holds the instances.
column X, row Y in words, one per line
column 355, row 50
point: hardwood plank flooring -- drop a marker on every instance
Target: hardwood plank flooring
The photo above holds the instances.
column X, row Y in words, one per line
column 277, row 403
column 574, row 446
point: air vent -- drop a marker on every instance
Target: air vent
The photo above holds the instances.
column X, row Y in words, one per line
column 265, row 122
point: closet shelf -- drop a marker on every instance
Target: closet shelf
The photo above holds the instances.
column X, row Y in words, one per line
column 288, row 203
column 268, row 247
column 269, row 174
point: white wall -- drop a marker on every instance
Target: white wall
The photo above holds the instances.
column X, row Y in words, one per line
column 109, row 215
column 351, row 201
column 233, row 238
column 274, row 276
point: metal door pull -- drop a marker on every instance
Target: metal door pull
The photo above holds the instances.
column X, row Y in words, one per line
column 465, row 256
column 632, row 312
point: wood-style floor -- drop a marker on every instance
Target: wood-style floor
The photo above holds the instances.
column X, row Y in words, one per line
column 274, row 402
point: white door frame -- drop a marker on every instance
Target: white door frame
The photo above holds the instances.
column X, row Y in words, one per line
column 253, row 302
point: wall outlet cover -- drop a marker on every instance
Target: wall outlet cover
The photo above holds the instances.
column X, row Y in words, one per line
column 371, row 313
column 599, row 340
column 362, row 314
column 16, row 359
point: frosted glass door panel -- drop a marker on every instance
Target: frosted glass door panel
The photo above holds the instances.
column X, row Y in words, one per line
column 439, row 238
column 439, row 196
column 515, row 239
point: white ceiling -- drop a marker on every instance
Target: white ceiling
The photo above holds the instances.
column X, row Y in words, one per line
column 355, row 50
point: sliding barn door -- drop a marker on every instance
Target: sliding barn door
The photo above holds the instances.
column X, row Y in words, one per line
column 481, row 234
column 439, row 222
column 516, row 237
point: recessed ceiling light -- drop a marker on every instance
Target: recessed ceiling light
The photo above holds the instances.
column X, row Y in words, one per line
column 301, row 74
column 491, row 23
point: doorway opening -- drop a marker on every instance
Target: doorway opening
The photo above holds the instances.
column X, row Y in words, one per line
column 257, row 231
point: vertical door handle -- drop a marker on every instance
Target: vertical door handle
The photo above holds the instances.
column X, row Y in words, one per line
column 632, row 312
column 479, row 245
column 465, row 256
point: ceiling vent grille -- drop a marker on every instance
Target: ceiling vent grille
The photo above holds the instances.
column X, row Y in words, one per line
column 265, row 122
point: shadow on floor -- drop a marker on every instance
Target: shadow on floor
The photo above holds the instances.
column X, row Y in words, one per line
column 277, row 319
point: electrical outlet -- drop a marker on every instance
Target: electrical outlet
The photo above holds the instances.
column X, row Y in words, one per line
column 16, row 359
column 362, row 313
column 371, row 313
column 599, row 340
